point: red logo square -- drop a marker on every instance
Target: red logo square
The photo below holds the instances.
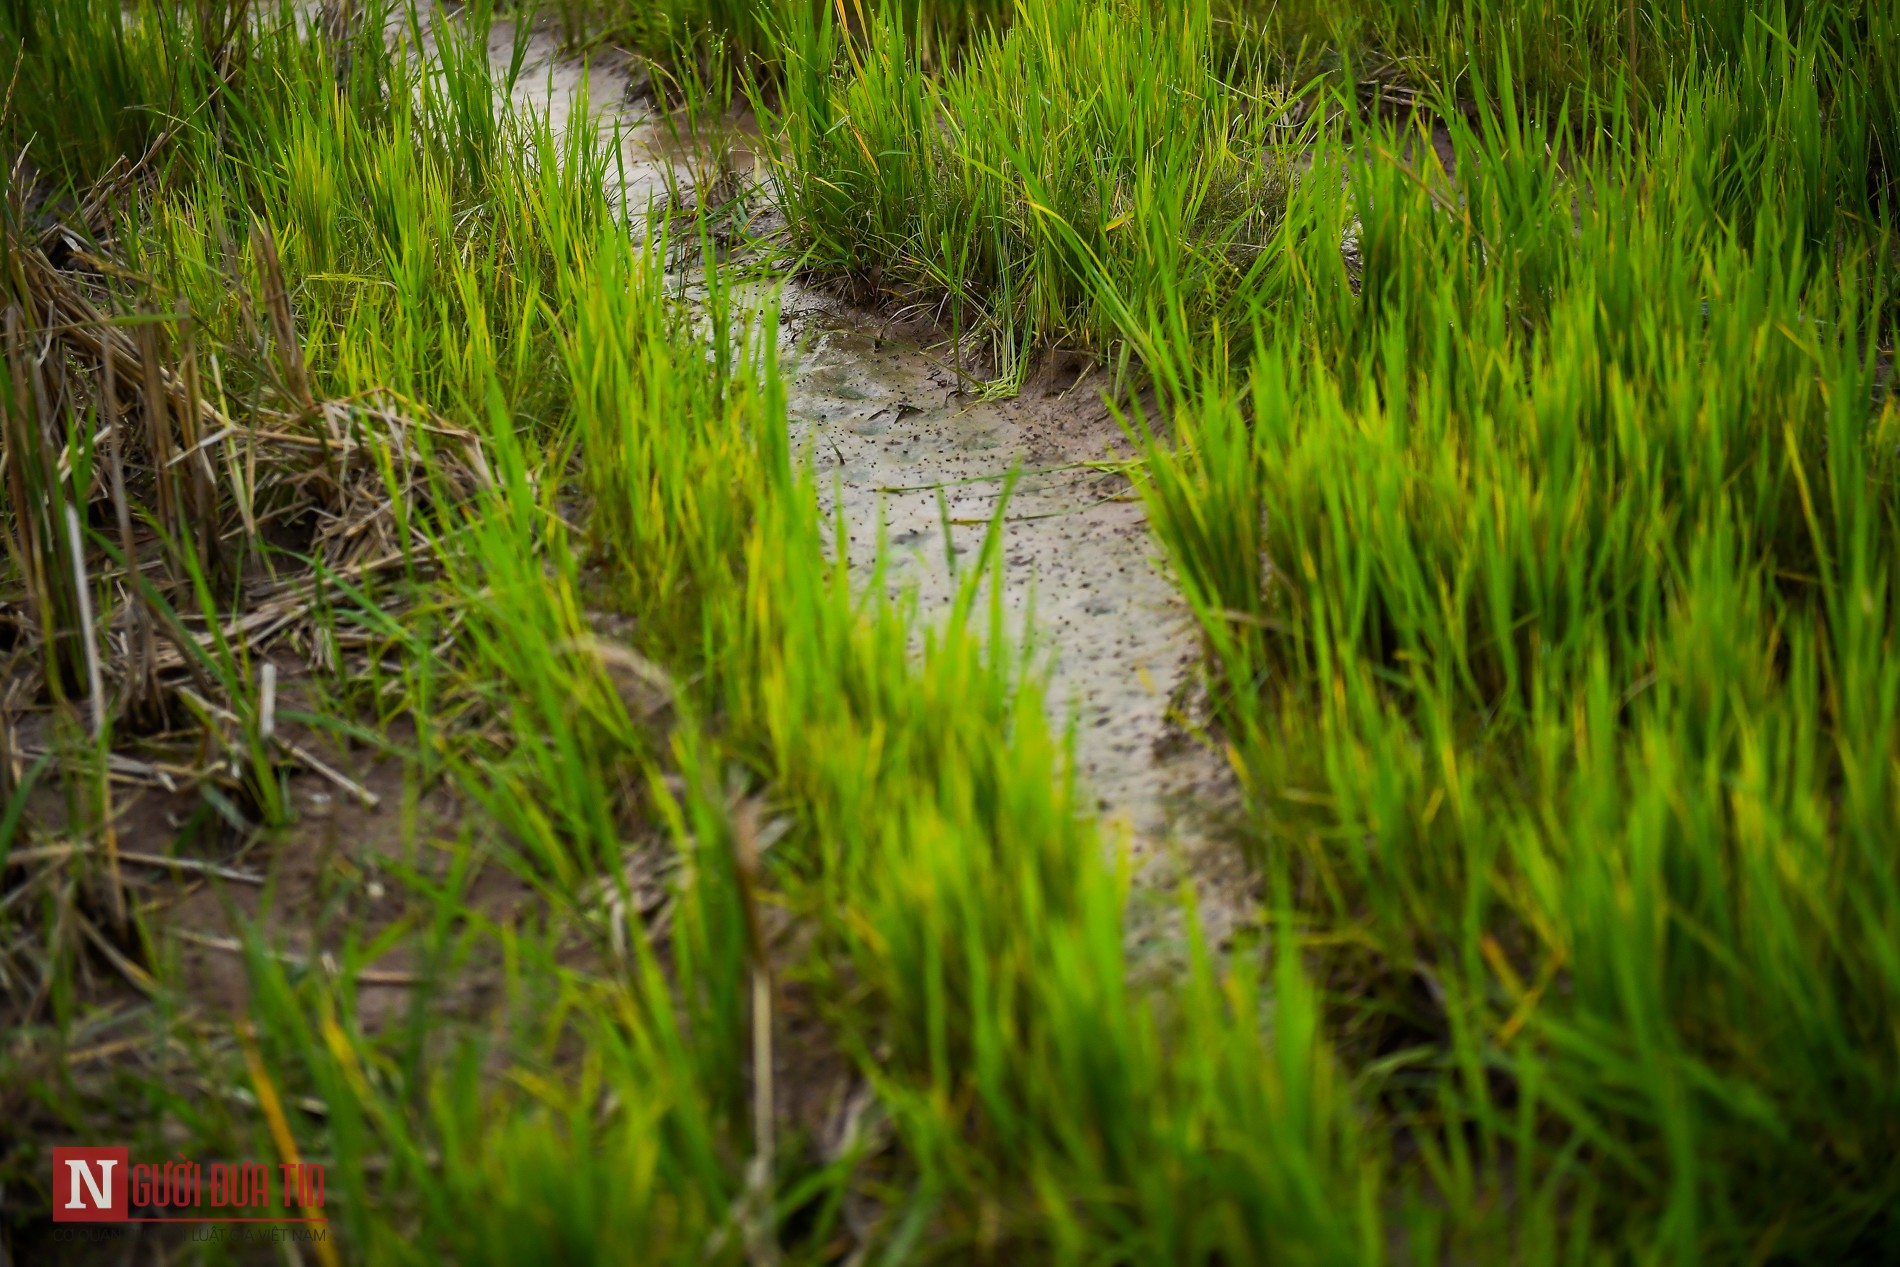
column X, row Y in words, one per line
column 90, row 1184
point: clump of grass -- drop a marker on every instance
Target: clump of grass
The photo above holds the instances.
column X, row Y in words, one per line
column 1543, row 564
column 1124, row 139
column 748, row 31
column 1576, row 51
column 1151, row 144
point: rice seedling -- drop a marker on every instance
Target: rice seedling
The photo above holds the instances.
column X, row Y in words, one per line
column 1424, row 745
column 676, row 31
column 1077, row 134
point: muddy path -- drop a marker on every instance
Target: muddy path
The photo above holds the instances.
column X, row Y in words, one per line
column 899, row 446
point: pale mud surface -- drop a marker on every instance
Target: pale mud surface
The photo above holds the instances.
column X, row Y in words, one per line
column 886, row 426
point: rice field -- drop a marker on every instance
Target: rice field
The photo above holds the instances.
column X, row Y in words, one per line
column 479, row 715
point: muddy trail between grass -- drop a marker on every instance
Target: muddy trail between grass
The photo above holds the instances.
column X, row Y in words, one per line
column 896, row 440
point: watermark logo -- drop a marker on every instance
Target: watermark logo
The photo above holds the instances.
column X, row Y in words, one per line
column 90, row 1185
column 104, row 1185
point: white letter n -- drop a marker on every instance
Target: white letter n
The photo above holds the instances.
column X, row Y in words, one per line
column 101, row 1197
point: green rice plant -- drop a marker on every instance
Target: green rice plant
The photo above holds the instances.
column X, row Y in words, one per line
column 680, row 452
column 93, row 81
column 970, row 195
column 439, row 1156
column 676, row 31
column 669, row 29
column 41, row 550
column 1081, row 136
column 1574, row 51
column 1549, row 653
